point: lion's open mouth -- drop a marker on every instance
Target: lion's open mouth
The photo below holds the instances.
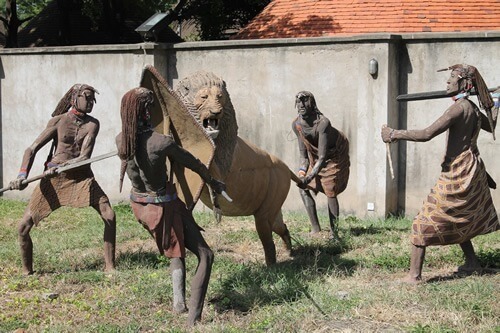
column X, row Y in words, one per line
column 211, row 125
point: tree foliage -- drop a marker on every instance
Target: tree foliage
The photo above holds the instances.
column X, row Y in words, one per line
column 26, row 8
column 15, row 14
column 104, row 15
column 215, row 17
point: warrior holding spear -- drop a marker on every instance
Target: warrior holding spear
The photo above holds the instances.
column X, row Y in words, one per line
column 459, row 207
column 72, row 132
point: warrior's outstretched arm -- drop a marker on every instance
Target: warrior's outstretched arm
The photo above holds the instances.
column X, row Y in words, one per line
column 49, row 133
column 439, row 126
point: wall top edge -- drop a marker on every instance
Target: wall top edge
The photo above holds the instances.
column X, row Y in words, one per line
column 366, row 38
column 87, row 48
column 379, row 37
column 494, row 34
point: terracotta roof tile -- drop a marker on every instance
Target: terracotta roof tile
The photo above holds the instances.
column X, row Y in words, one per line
column 312, row 18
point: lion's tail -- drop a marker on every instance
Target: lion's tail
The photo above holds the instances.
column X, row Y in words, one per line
column 294, row 177
column 297, row 180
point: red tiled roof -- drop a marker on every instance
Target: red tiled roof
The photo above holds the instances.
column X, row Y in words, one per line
column 315, row 18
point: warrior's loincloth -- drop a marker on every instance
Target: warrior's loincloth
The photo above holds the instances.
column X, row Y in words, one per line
column 162, row 215
column 334, row 174
column 74, row 188
column 459, row 206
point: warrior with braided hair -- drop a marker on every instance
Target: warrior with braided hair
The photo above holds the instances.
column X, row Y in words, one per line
column 459, row 206
column 154, row 201
column 324, row 159
column 72, row 132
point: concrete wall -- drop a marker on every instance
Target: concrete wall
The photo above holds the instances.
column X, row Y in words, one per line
column 262, row 79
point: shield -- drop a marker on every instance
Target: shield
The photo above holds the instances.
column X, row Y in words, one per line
column 170, row 116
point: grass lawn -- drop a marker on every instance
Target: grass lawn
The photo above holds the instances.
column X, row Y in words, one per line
column 347, row 285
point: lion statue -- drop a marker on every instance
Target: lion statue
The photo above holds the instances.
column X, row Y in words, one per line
column 257, row 181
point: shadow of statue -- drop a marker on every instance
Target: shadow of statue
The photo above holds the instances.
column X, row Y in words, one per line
column 283, row 282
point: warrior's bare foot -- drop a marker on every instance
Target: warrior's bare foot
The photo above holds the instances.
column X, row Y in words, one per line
column 472, row 264
column 314, row 230
column 27, row 262
column 110, row 270
column 469, row 269
column 180, row 307
column 314, row 233
column 411, row 280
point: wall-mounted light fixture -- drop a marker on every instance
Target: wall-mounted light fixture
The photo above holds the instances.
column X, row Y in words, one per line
column 150, row 29
column 373, row 67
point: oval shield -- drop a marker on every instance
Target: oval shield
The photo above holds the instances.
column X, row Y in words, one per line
column 171, row 117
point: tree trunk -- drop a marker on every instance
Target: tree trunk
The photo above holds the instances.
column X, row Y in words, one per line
column 12, row 23
column 64, row 34
column 113, row 19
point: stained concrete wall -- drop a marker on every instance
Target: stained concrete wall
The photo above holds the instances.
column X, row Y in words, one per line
column 263, row 82
column 262, row 79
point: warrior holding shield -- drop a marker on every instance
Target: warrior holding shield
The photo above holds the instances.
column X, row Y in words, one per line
column 154, row 200
column 459, row 206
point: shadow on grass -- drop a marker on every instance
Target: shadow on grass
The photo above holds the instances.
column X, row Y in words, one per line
column 136, row 259
column 489, row 260
column 372, row 230
column 125, row 260
column 140, row 259
column 461, row 275
column 322, row 257
column 251, row 285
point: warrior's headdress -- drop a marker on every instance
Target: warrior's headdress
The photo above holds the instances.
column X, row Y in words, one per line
column 69, row 99
column 473, row 79
column 133, row 105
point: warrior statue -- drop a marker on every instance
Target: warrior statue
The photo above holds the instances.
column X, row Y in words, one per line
column 459, row 207
column 324, row 159
column 154, row 201
column 72, row 132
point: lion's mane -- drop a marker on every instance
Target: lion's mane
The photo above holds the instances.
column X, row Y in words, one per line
column 226, row 140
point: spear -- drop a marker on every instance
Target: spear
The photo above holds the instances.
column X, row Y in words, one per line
column 66, row 168
column 442, row 94
column 432, row 95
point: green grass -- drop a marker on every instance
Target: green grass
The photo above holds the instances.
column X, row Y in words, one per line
column 346, row 285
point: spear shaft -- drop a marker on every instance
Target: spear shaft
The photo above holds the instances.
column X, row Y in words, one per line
column 66, row 168
column 432, row 95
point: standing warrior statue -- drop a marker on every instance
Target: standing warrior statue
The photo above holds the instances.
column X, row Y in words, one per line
column 324, row 159
column 459, row 206
column 154, row 201
column 73, row 132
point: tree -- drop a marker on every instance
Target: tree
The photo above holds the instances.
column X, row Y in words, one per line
column 109, row 15
column 10, row 18
column 215, row 17
column 26, row 8
column 104, row 14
